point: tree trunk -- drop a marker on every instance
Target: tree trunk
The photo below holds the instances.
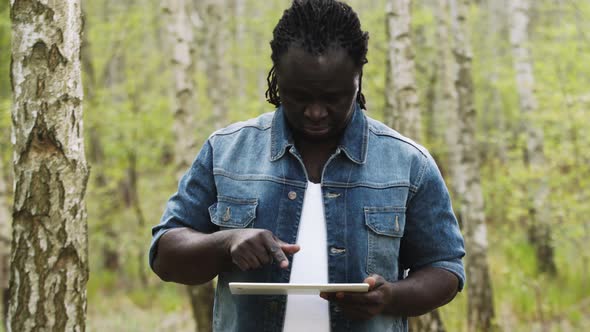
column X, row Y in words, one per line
column 201, row 298
column 239, row 18
column 494, row 119
column 5, row 237
column 447, row 100
column 402, row 108
column 470, row 197
column 217, row 37
column 182, row 40
column 534, row 157
column 431, row 322
column 49, row 262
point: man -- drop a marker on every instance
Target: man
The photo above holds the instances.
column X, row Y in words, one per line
column 318, row 189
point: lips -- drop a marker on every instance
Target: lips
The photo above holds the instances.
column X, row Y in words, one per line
column 316, row 130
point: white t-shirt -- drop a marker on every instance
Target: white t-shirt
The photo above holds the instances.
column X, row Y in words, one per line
column 310, row 265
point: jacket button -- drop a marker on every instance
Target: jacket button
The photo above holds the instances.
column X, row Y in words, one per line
column 337, row 251
column 292, row 195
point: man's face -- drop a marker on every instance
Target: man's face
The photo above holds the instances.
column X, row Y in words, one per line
column 317, row 92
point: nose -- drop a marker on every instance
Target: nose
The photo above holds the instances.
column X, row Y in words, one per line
column 315, row 112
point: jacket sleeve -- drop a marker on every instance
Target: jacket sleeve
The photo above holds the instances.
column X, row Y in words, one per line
column 432, row 236
column 188, row 207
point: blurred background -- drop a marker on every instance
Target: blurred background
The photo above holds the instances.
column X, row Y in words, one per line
column 159, row 78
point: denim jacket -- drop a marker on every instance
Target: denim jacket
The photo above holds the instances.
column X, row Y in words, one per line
column 386, row 206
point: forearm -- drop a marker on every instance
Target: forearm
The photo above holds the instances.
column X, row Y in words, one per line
column 422, row 292
column 189, row 257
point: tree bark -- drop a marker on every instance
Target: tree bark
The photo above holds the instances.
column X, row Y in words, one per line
column 447, row 101
column 5, row 237
column 402, row 108
column 239, row 18
column 469, row 195
column 217, row 38
column 180, row 32
column 49, row 261
column 534, row 157
column 201, row 298
column 182, row 41
column 494, row 119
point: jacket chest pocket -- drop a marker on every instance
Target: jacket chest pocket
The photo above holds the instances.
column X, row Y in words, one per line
column 385, row 228
column 231, row 212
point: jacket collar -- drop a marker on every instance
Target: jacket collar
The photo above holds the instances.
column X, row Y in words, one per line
column 353, row 142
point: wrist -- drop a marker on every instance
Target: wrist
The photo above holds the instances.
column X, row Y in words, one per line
column 225, row 242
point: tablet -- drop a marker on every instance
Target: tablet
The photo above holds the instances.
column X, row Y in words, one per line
column 254, row 288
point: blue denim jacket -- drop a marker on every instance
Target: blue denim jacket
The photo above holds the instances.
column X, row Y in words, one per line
column 386, row 207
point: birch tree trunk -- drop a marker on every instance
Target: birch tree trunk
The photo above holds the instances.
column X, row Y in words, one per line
column 49, row 261
column 182, row 41
column 239, row 39
column 534, row 157
column 495, row 119
column 217, row 37
column 180, row 32
column 402, row 108
column 5, row 237
column 447, row 99
column 470, row 197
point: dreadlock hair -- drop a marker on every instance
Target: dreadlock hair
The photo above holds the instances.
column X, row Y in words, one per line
column 316, row 25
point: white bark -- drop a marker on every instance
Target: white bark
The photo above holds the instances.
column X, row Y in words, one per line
column 240, row 38
column 217, row 39
column 5, row 238
column 495, row 119
column 183, row 19
column 534, row 157
column 447, row 102
column 402, row 104
column 469, row 192
column 180, row 32
column 49, row 264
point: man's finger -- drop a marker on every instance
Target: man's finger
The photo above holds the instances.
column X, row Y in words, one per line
column 290, row 248
column 354, row 298
column 274, row 249
column 278, row 250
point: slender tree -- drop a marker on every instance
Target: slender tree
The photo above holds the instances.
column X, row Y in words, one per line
column 446, row 98
column 402, row 109
column 180, row 32
column 239, row 23
column 494, row 118
column 216, row 46
column 469, row 195
column 49, row 261
column 4, row 242
column 534, row 156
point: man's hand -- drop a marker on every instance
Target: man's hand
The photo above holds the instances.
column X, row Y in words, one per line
column 251, row 248
column 364, row 305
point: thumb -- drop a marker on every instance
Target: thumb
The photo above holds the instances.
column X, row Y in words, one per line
column 374, row 281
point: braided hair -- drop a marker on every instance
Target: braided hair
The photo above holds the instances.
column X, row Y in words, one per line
column 316, row 25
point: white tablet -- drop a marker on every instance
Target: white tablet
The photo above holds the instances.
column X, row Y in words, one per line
column 254, row 288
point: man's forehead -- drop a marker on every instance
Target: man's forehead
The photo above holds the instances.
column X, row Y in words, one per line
column 331, row 57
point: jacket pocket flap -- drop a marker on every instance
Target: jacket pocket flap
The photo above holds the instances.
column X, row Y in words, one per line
column 389, row 221
column 233, row 212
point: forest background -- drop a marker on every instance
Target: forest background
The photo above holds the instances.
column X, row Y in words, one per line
column 132, row 143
